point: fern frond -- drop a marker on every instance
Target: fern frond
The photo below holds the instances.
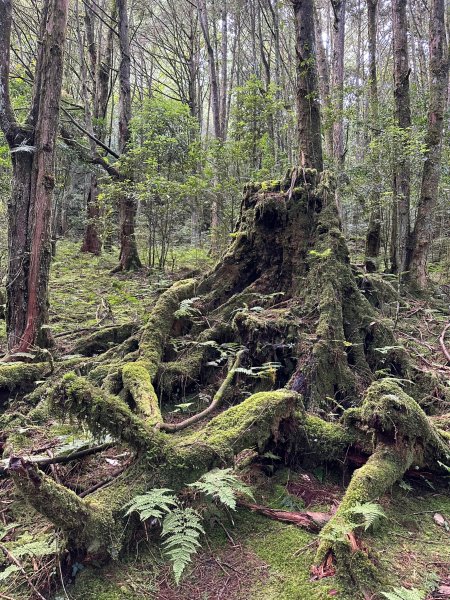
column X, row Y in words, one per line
column 153, row 504
column 43, row 547
column 186, row 309
column 402, row 593
column 369, row 511
column 10, row 569
column 182, row 529
column 222, row 485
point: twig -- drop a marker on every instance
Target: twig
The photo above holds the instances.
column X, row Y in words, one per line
column 300, row 550
column 44, row 462
column 103, row 483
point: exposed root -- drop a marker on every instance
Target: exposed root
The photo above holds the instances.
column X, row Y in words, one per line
column 215, row 404
column 403, row 437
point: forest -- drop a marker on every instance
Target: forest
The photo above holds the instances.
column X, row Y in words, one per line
column 224, row 299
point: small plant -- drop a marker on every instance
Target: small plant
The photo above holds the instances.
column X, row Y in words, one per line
column 186, row 309
column 402, row 593
column 182, row 526
column 369, row 511
column 154, row 504
column 222, row 485
column 182, row 529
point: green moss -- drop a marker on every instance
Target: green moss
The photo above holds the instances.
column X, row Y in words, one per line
column 159, row 324
column 21, row 376
column 388, row 410
column 136, row 379
column 98, row 584
column 289, row 575
column 100, row 341
column 271, row 186
column 102, row 412
column 250, row 424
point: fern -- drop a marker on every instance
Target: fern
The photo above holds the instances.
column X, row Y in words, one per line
column 186, row 309
column 370, row 511
column 338, row 532
column 402, row 593
column 267, row 370
column 222, row 485
column 182, row 529
column 10, row 569
column 153, row 504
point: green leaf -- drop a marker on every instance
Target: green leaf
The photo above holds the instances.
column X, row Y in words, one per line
column 182, row 529
column 222, row 485
column 153, row 504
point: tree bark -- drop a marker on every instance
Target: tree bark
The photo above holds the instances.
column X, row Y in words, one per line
column 33, row 155
column 373, row 236
column 339, row 7
column 402, row 170
column 439, row 71
column 129, row 257
column 309, row 128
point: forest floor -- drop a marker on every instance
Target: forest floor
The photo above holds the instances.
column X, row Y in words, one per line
column 244, row 556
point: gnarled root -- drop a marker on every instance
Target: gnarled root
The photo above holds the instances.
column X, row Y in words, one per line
column 403, row 437
column 168, row 461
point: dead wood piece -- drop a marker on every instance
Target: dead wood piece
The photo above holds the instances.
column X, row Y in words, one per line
column 312, row 521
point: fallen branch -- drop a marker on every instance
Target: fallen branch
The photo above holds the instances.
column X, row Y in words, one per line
column 44, row 462
column 312, row 521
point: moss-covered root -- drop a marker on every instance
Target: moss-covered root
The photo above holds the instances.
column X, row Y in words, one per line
column 403, row 436
column 103, row 412
column 136, row 380
column 100, row 341
column 19, row 376
column 84, row 525
column 251, row 424
column 386, row 466
column 97, row 522
column 393, row 416
column 216, row 402
column 160, row 321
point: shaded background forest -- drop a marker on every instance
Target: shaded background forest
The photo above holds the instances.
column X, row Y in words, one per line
column 212, row 92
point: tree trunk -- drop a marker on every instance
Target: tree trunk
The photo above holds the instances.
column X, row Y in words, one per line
column 402, row 170
column 373, row 236
column 308, row 103
column 129, row 257
column 439, row 68
column 91, row 240
column 339, row 7
column 324, row 81
column 33, row 154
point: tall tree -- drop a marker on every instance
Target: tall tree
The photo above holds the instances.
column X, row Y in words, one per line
column 129, row 257
column 309, row 127
column 402, row 170
column 32, row 147
column 339, row 7
column 373, row 236
column 439, row 76
column 100, row 60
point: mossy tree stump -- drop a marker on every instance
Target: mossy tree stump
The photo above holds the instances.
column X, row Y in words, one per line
column 286, row 292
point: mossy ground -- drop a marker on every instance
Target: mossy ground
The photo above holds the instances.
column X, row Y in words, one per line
column 249, row 557
column 269, row 560
column 79, row 282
